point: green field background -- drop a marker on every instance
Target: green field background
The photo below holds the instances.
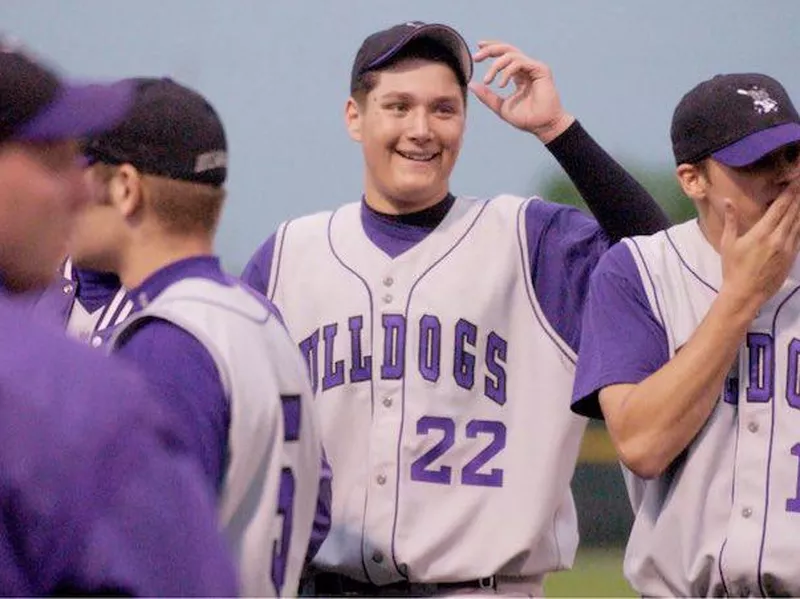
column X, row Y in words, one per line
column 604, row 517
column 597, row 573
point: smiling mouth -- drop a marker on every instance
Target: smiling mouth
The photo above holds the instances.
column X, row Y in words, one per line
column 419, row 156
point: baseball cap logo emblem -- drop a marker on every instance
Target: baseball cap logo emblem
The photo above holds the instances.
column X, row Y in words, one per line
column 762, row 102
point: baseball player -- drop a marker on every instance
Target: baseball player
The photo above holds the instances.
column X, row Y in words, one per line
column 97, row 497
column 219, row 352
column 440, row 331
column 86, row 303
column 689, row 352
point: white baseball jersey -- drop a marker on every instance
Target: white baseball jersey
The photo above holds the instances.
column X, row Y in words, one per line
column 269, row 492
column 724, row 518
column 443, row 396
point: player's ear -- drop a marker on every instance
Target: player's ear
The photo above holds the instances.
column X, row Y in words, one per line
column 352, row 118
column 126, row 190
column 693, row 180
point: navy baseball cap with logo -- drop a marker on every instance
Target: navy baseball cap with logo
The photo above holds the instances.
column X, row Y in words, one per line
column 171, row 131
column 36, row 104
column 736, row 119
column 381, row 47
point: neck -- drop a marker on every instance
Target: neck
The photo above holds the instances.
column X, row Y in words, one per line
column 710, row 228
column 386, row 204
column 151, row 257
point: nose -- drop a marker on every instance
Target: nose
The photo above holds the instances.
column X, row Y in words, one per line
column 420, row 129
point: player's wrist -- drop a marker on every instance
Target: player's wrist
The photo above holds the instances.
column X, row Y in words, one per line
column 739, row 306
column 548, row 132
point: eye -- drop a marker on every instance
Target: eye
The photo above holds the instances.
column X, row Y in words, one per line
column 445, row 108
column 397, row 107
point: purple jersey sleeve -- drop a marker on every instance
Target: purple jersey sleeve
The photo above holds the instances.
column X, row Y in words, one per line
column 322, row 517
column 256, row 272
column 182, row 371
column 564, row 245
column 98, row 495
column 622, row 340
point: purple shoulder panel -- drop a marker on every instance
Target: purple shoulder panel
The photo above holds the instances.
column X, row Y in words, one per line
column 564, row 245
column 106, row 511
column 256, row 271
column 622, row 340
column 182, row 372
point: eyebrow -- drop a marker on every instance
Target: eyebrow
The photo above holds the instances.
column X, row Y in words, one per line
column 407, row 97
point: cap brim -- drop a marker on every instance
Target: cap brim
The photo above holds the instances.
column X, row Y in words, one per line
column 754, row 147
column 79, row 111
column 448, row 36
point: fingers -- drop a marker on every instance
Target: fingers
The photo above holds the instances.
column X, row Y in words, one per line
column 507, row 56
column 730, row 227
column 497, row 66
column 487, row 97
column 773, row 215
column 493, row 49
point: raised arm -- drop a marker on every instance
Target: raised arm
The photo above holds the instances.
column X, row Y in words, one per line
column 619, row 203
column 653, row 421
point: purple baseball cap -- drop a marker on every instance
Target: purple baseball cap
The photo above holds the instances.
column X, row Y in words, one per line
column 736, row 119
column 381, row 47
column 37, row 105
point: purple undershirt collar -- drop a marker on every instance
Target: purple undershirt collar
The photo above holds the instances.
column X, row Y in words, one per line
column 397, row 233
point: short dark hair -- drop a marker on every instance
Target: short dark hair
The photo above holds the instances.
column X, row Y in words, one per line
column 422, row 48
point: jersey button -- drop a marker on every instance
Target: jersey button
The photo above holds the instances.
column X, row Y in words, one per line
column 747, row 512
column 387, row 299
column 377, row 557
column 388, row 281
column 381, row 479
column 97, row 341
column 67, row 289
column 387, row 401
column 752, row 427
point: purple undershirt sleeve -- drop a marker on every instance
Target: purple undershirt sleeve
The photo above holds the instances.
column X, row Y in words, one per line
column 322, row 518
column 256, row 271
column 622, row 340
column 564, row 245
column 183, row 374
column 621, row 205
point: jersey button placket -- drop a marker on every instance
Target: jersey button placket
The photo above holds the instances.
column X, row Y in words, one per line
column 386, row 427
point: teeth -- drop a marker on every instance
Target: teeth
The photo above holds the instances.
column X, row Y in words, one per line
column 417, row 157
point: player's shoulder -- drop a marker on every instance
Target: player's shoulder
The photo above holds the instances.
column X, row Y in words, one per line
column 316, row 223
column 616, row 261
column 546, row 210
column 72, row 392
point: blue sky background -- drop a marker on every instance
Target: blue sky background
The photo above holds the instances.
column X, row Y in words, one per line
column 278, row 72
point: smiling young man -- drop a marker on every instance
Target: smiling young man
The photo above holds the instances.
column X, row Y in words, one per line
column 690, row 351
column 440, row 331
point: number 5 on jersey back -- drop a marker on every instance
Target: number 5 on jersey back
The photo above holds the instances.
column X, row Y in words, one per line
column 290, row 405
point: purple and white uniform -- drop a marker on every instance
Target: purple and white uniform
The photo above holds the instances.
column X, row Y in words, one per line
column 98, row 495
column 86, row 303
column 222, row 358
column 725, row 516
column 435, row 389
